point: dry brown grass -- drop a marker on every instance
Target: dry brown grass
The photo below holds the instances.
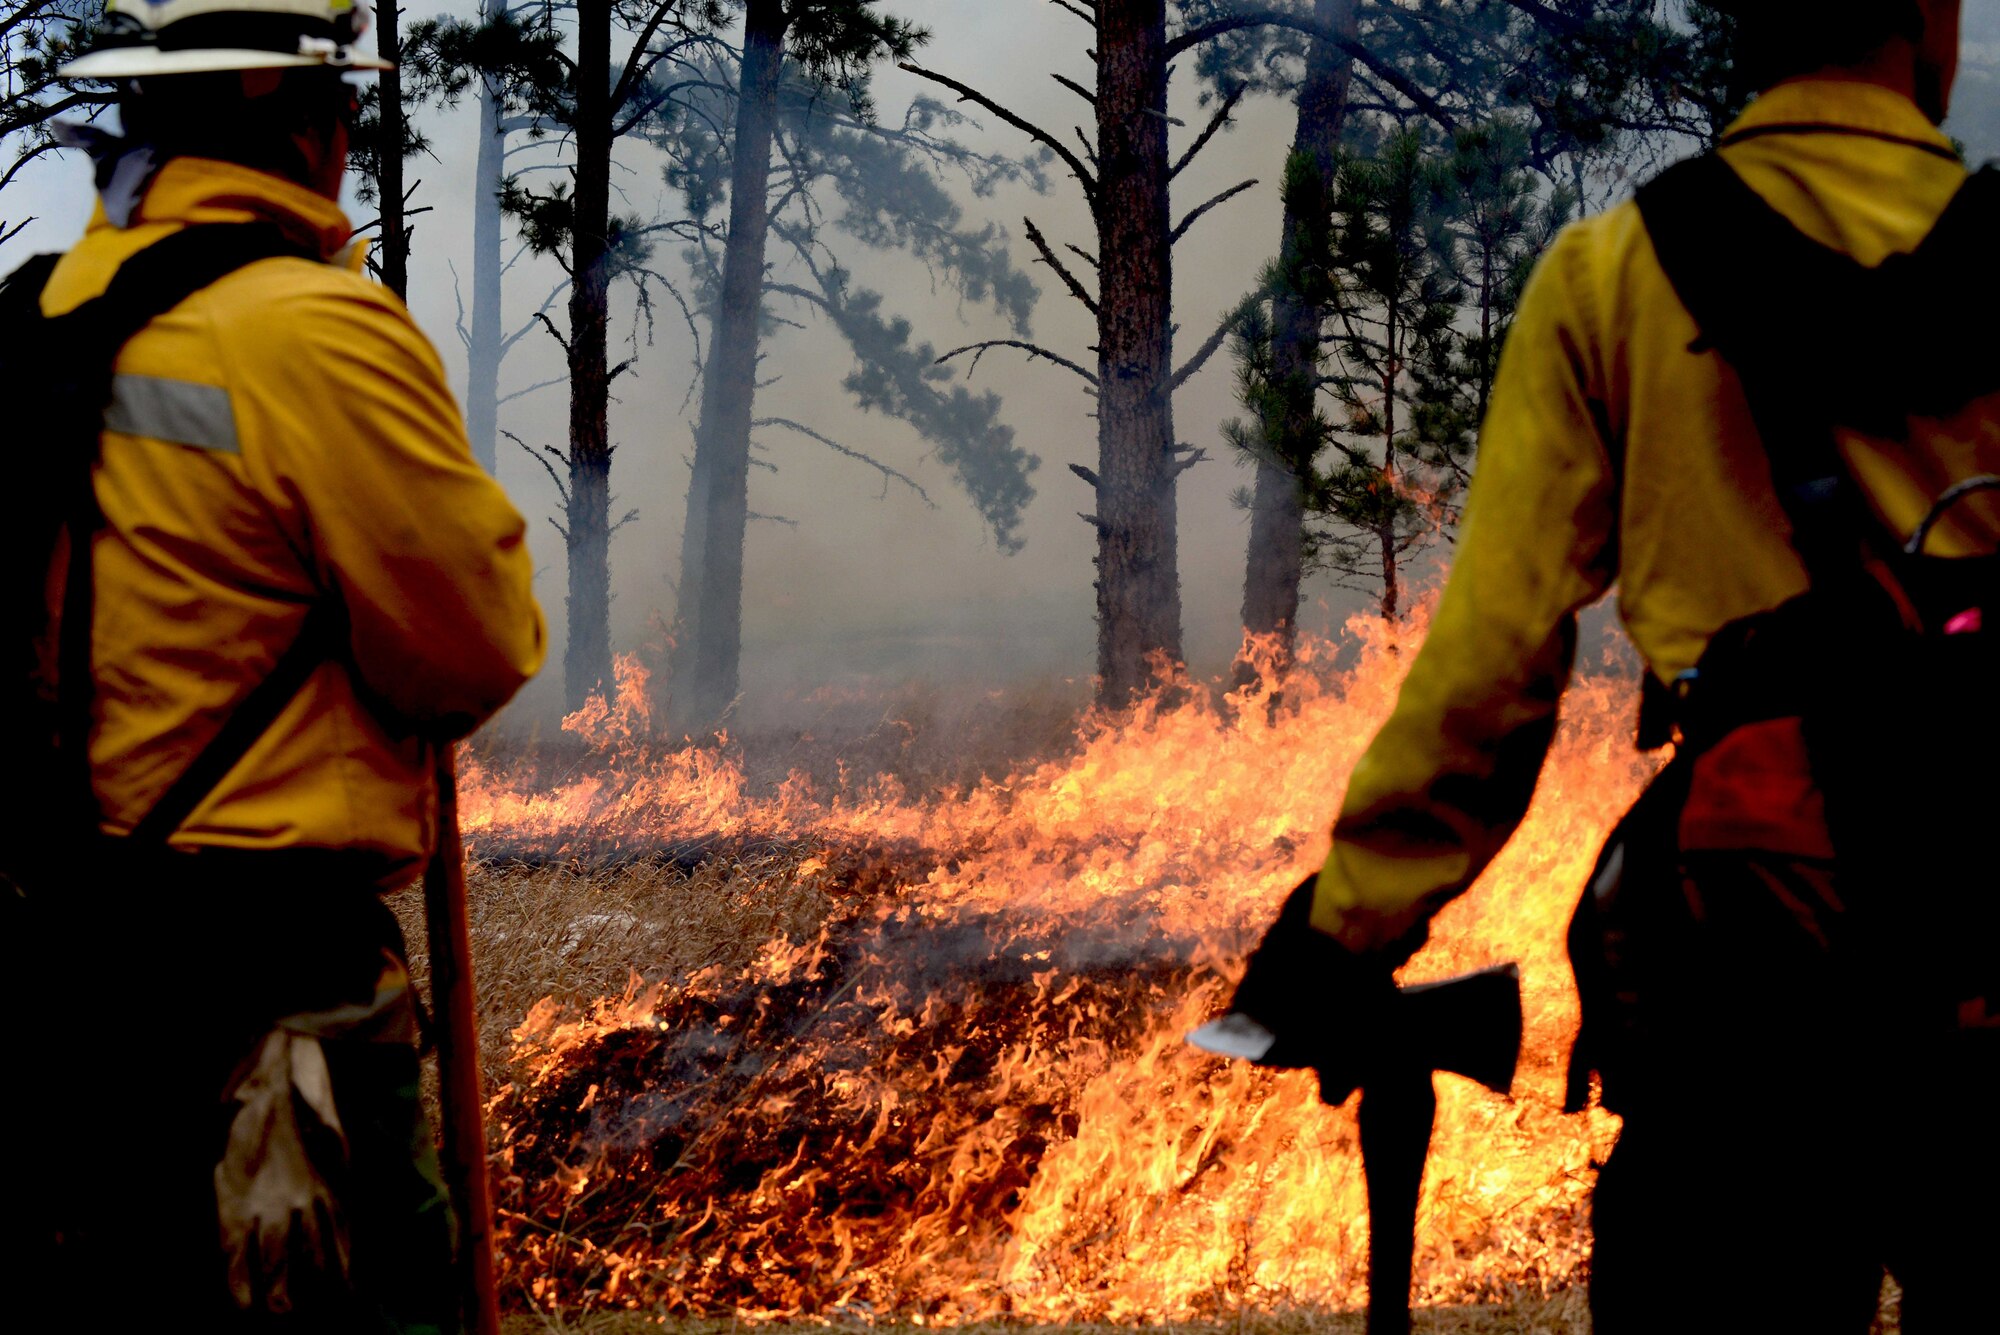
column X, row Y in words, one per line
column 1562, row 1315
column 578, row 933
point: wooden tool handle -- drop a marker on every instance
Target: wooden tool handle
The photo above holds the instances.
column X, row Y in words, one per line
column 463, row 1135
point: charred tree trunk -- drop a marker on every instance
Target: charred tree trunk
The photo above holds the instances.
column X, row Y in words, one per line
column 483, row 332
column 587, row 527
column 709, row 643
column 394, row 256
column 1275, row 566
column 1138, row 575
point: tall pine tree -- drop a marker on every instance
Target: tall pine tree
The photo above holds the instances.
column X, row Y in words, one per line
column 828, row 148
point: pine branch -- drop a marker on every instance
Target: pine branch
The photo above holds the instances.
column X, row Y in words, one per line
column 458, row 299
column 1091, row 19
column 1076, row 88
column 1032, row 349
column 1201, row 356
column 1089, row 149
column 1209, row 131
column 538, row 385
column 527, row 327
column 554, row 333
column 562, row 487
column 1278, row 18
column 1083, row 174
column 885, row 470
column 1077, row 289
column 1189, row 221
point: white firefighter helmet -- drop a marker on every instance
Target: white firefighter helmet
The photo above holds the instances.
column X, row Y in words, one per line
column 153, row 37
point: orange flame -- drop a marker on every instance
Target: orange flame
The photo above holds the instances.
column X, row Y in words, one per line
column 968, row 1095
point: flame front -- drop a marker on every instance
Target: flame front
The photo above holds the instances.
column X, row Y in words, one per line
column 967, row 1094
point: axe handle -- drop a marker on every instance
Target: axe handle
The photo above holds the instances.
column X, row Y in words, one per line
column 463, row 1135
column 1397, row 1112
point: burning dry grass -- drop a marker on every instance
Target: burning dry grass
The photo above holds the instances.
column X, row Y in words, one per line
column 1562, row 1315
column 888, row 1048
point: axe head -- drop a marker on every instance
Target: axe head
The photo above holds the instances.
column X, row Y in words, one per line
column 1469, row 1025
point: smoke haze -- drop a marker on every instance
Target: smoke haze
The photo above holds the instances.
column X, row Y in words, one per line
column 871, row 586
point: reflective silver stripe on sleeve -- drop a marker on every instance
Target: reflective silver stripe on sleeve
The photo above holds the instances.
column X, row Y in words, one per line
column 180, row 411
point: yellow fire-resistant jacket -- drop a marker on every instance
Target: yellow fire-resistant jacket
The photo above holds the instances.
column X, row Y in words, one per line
column 1597, row 371
column 286, row 438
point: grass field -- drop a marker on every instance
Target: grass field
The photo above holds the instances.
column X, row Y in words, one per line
column 1563, row 1316
column 576, row 932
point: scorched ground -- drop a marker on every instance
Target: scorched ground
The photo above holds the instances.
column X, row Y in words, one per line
column 932, row 1068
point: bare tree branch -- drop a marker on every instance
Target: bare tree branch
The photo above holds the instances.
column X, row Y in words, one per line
column 1076, row 88
column 458, row 299
column 1087, row 18
column 1083, row 174
column 1209, row 131
column 554, row 332
column 1201, row 356
column 539, row 384
column 1032, row 349
column 1077, row 289
column 1278, row 18
column 885, row 470
column 562, row 487
column 1224, row 197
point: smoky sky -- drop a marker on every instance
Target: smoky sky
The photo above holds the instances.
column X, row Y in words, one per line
column 871, row 587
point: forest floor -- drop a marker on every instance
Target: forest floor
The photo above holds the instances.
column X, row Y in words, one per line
column 1562, row 1315
column 577, row 932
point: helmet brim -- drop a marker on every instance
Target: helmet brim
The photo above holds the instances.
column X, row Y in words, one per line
column 138, row 62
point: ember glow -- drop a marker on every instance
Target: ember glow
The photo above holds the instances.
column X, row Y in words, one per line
column 967, row 1096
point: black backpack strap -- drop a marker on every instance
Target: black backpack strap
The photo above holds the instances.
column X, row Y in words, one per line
column 1761, row 293
column 250, row 719
column 1821, row 341
column 146, row 286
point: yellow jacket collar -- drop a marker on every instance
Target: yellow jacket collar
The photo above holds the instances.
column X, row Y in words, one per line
column 1847, row 103
column 201, row 190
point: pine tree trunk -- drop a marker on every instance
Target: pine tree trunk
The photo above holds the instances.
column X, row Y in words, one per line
column 709, row 642
column 1275, row 565
column 587, row 657
column 483, row 333
column 1138, row 577
column 1385, row 531
column 393, row 251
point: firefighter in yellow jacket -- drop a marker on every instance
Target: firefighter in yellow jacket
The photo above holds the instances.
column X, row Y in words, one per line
column 225, row 1132
column 1772, row 1161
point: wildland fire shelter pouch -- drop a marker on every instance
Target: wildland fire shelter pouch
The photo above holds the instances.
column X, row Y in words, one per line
column 1819, row 857
column 275, row 1124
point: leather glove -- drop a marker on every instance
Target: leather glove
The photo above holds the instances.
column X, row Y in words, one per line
column 283, row 1232
column 1307, row 1001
